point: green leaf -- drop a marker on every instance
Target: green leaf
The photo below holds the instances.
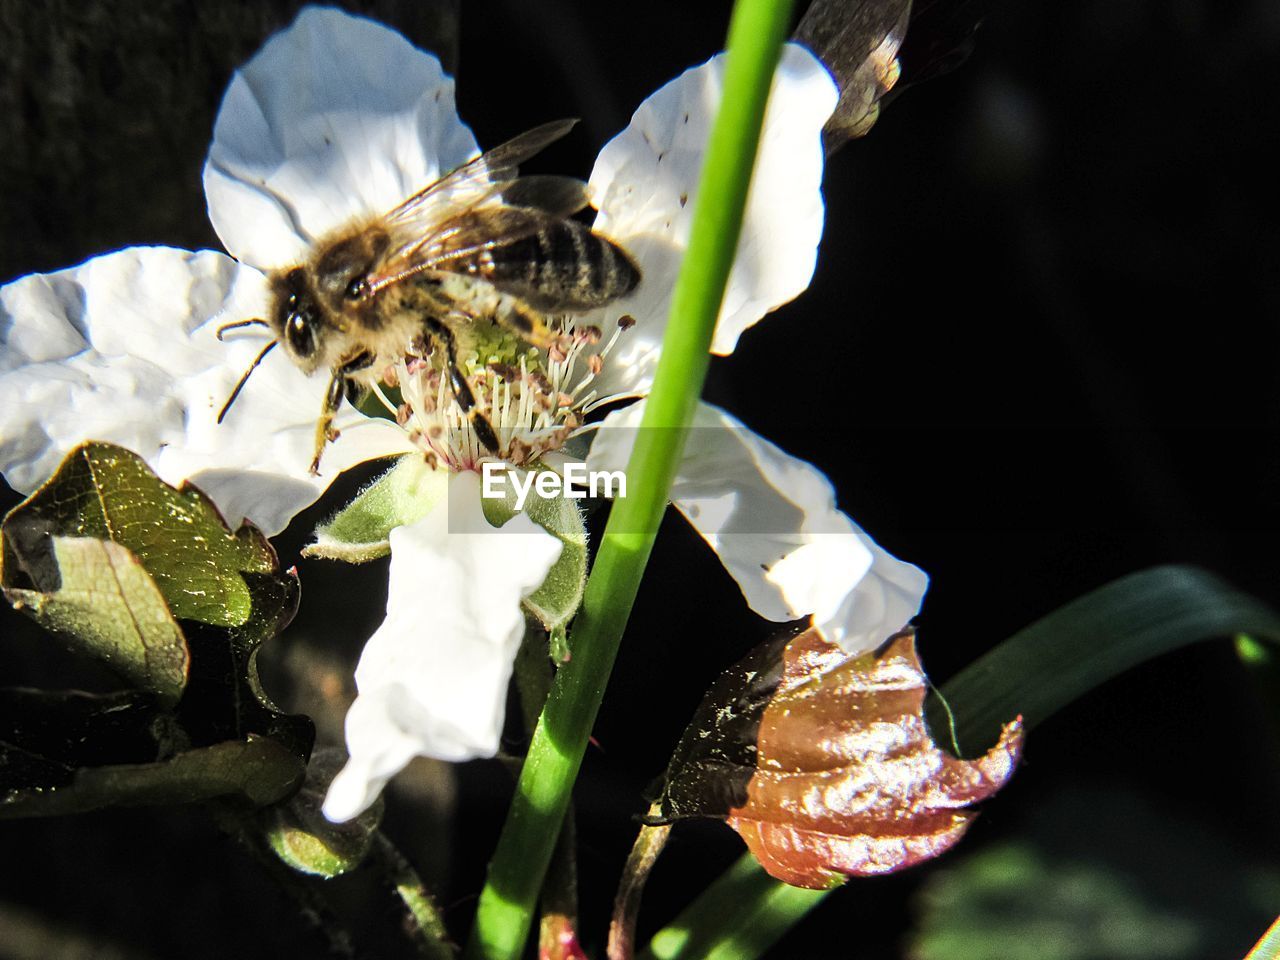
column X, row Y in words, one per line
column 102, row 598
column 360, row 531
column 557, row 600
column 67, row 753
column 257, row 770
column 225, row 699
column 1044, row 667
column 997, row 906
column 104, row 492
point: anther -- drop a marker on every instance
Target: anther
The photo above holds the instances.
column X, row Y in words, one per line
column 505, row 371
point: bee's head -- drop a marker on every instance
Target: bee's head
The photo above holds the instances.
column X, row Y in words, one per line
column 296, row 318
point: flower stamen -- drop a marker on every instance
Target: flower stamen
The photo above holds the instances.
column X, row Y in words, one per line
column 534, row 400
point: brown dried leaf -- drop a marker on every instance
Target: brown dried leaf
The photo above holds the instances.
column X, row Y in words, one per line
column 846, row 779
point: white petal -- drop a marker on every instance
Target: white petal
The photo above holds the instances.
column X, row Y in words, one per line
column 645, row 181
column 336, row 118
column 772, row 520
column 122, row 349
column 433, row 679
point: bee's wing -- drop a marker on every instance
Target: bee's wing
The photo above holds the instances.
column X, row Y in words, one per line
column 488, row 228
column 442, row 222
column 557, row 197
column 551, row 196
column 486, row 176
column 456, row 243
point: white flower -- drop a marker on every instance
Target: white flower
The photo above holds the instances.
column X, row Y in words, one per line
column 336, row 118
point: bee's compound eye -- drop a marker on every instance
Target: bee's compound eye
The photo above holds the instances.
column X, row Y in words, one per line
column 358, row 288
column 299, row 333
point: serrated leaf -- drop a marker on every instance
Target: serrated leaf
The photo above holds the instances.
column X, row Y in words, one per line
column 224, row 697
column 105, row 492
column 361, row 530
column 823, row 764
column 106, row 602
column 226, row 738
column 67, row 752
column 558, row 599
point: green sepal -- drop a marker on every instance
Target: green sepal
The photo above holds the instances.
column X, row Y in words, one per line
column 361, row 531
column 305, row 839
column 558, row 599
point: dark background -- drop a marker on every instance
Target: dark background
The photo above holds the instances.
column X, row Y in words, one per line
column 1039, row 353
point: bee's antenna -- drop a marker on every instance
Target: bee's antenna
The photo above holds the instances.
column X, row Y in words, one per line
column 252, row 367
column 239, row 323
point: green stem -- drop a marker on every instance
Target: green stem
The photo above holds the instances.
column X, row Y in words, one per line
column 626, row 905
column 423, row 923
column 506, row 904
column 740, row 916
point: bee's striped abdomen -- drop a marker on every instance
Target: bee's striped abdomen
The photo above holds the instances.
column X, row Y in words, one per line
column 562, row 266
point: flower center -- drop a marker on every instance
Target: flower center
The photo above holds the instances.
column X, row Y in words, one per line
column 535, row 401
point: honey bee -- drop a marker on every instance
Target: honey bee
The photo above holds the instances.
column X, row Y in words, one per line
column 479, row 244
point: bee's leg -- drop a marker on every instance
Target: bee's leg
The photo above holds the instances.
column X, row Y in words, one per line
column 527, row 323
column 339, row 385
column 355, row 392
column 324, row 426
column 462, row 390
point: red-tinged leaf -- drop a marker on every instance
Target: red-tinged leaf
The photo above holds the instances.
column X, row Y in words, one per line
column 841, row 776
